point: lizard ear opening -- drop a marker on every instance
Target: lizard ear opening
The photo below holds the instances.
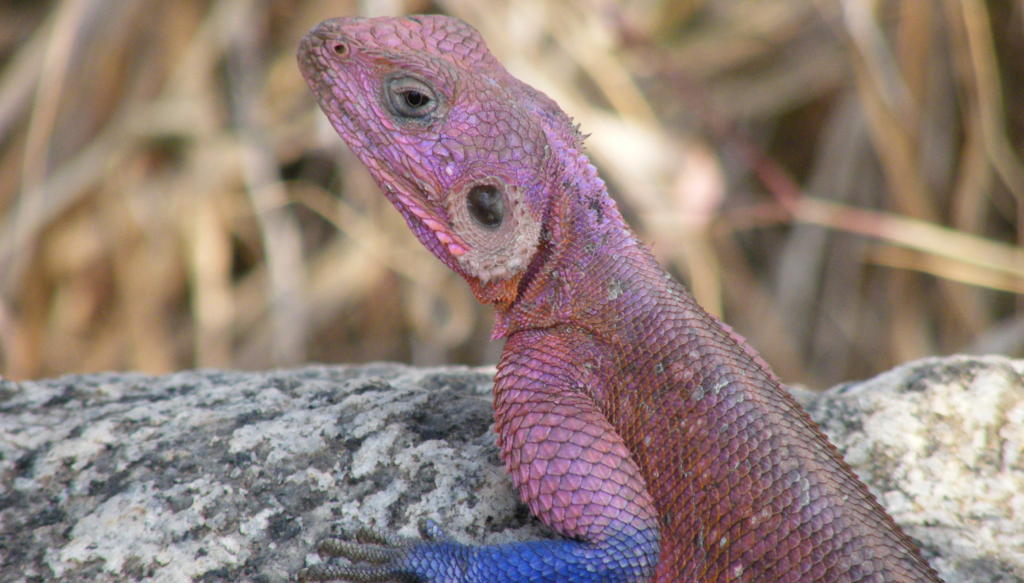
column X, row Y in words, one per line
column 486, row 204
column 495, row 222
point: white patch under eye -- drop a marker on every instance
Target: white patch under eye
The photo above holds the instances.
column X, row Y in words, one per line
column 495, row 249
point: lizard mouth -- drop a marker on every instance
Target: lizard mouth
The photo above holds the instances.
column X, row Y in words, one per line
column 451, row 241
column 316, row 52
column 312, row 58
column 321, row 55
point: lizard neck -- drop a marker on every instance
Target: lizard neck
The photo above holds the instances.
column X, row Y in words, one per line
column 581, row 262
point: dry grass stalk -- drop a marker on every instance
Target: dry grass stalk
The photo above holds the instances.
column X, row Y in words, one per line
column 841, row 179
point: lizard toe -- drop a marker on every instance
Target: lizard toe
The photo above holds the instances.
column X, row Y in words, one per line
column 351, row 573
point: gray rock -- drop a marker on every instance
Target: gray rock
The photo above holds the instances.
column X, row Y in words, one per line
column 940, row 442
column 228, row 476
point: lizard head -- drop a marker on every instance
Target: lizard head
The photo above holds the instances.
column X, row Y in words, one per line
column 454, row 141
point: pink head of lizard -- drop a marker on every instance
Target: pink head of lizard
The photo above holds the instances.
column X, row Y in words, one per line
column 453, row 140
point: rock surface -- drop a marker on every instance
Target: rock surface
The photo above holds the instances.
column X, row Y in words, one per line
column 229, row 476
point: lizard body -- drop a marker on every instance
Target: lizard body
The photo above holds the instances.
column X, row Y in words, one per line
column 633, row 423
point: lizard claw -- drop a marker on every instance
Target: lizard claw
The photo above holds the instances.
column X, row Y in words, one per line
column 378, row 536
column 330, row 572
column 433, row 532
column 357, row 551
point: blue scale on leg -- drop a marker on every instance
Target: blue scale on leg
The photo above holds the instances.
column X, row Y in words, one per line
column 627, row 556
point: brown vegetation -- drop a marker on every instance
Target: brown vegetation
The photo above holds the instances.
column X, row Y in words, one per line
column 841, row 179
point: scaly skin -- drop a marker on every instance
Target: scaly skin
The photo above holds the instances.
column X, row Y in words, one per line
column 633, row 423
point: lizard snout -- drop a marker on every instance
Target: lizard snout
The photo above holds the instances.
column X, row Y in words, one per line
column 327, row 40
column 337, row 47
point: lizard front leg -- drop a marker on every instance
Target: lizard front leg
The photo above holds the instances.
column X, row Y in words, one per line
column 571, row 468
column 570, row 465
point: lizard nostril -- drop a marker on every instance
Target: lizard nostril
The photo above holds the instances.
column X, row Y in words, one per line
column 338, row 48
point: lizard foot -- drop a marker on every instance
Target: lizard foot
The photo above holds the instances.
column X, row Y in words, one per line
column 626, row 557
column 386, row 553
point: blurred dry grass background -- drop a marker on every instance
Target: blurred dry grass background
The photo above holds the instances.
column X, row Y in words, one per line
column 840, row 179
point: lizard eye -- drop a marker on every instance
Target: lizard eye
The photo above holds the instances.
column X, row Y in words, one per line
column 486, row 205
column 410, row 98
column 415, row 99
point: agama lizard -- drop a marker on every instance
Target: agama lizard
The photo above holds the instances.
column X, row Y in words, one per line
column 634, row 424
